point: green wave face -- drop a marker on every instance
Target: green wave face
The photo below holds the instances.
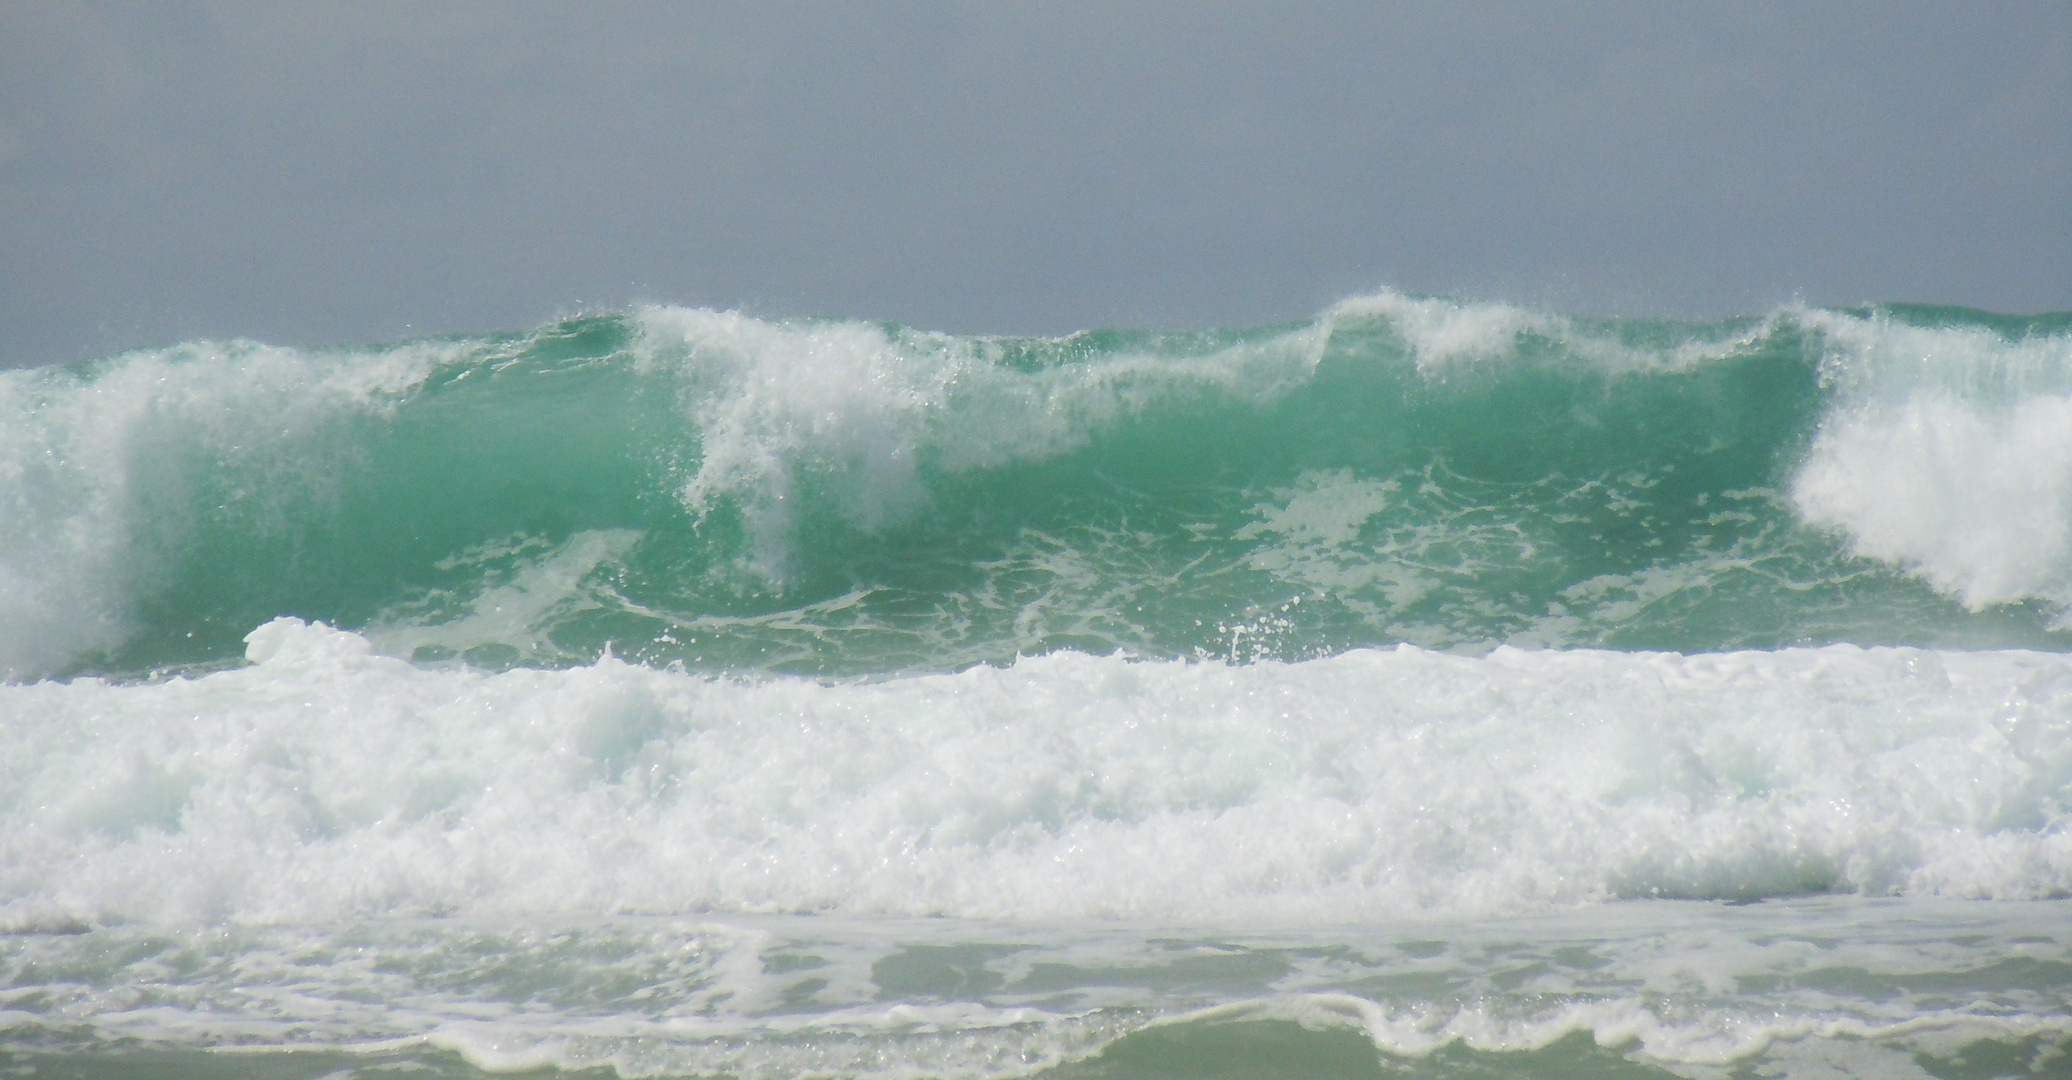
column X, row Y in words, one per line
column 854, row 498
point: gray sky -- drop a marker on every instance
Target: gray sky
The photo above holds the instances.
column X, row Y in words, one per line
column 305, row 173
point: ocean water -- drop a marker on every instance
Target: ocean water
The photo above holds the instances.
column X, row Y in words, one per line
column 1432, row 688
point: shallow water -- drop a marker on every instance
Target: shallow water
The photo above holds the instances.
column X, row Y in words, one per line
column 1639, row 988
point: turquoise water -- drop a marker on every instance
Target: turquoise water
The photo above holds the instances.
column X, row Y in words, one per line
column 1431, row 688
column 851, row 499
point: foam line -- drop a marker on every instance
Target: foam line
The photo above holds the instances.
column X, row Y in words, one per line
column 327, row 782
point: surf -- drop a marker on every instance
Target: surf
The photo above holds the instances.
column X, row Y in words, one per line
column 1427, row 685
column 848, row 498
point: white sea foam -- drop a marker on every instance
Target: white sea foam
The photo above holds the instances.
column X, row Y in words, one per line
column 94, row 470
column 1949, row 453
column 866, row 404
column 1977, row 500
column 325, row 781
column 1946, row 451
column 776, row 402
column 1440, row 331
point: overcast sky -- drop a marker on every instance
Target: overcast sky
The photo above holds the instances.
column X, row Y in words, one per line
column 311, row 173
